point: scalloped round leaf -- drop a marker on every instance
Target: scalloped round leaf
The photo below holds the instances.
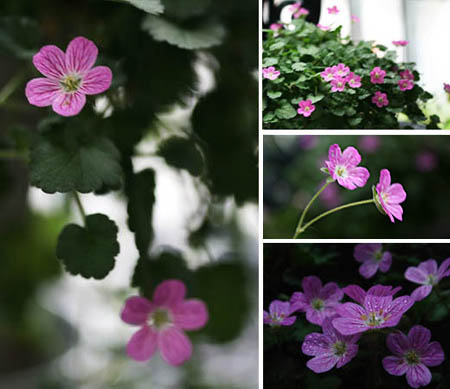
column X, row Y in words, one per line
column 286, row 111
column 89, row 251
column 203, row 35
column 154, row 7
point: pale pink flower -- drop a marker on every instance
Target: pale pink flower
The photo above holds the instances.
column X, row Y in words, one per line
column 377, row 75
column 343, row 167
column 400, row 43
column 390, row 196
column 380, row 99
column 338, row 84
column 327, row 74
column 69, row 77
column 162, row 322
column 355, row 19
column 322, row 27
column 306, row 108
column 406, row 75
column 405, row 84
column 271, row 73
column 333, row 10
column 353, row 80
column 276, row 26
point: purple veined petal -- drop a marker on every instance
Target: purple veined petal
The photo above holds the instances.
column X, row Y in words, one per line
column 346, row 182
column 81, row 54
column 175, row 346
column 429, row 266
column 169, row 293
column 352, row 350
column 396, row 193
column 351, row 157
column 374, row 303
column 278, row 307
column 419, row 337
column 397, row 308
column 386, row 262
column 288, row 321
column 316, row 344
column 398, row 343
column 322, row 363
column 383, row 204
column 350, row 310
column 142, row 344
column 97, row 80
column 136, row 310
column 349, row 325
column 190, row 314
column 395, row 210
column 331, row 291
column 69, row 104
column 334, row 154
column 41, row 92
column 359, row 176
column 418, row 375
column 385, row 180
column 315, row 317
column 414, row 274
column 50, row 62
column 365, row 251
column 298, row 302
column 355, row 292
column 421, row 292
column 443, row 269
column 311, row 286
column 394, row 365
column 383, row 290
column 327, row 326
column 433, row 355
column 368, row 269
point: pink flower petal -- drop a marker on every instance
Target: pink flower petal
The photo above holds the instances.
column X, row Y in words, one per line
column 311, row 286
column 81, row 55
column 364, row 252
column 442, row 272
column 368, row 269
column 396, row 193
column 421, row 292
column 315, row 344
column 352, row 350
column 386, row 262
column 334, row 153
column 414, row 274
column 355, row 292
column 398, row 343
column 395, row 365
column 419, row 337
column 190, row 314
column 50, row 62
column 394, row 210
column 433, row 355
column 169, row 293
column 351, row 157
column 69, row 104
column 315, row 317
column 418, row 375
column 359, row 176
column 331, row 292
column 322, row 363
column 136, row 310
column 97, row 80
column 429, row 266
column 142, row 344
column 175, row 346
column 42, row 91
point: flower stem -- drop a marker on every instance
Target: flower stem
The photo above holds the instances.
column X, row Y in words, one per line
column 303, row 215
column 80, row 206
column 311, row 222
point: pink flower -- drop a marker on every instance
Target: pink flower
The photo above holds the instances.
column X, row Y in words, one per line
column 407, row 75
column 300, row 12
column 296, row 6
column 377, row 75
column 271, row 73
column 369, row 143
column 306, row 108
column 447, row 87
column 405, row 85
column 279, row 314
column 340, row 70
column 162, row 322
column 354, row 81
column 355, row 19
column 338, row 84
column 428, row 275
column 400, row 43
column 333, row 10
column 426, row 161
column 380, row 99
column 327, row 74
column 329, row 348
column 322, row 27
column 316, row 300
column 412, row 355
column 69, row 77
column 276, row 26
column 343, row 167
column 390, row 196
column 372, row 258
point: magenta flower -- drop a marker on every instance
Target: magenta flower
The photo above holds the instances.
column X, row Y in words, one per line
column 279, row 314
column 369, row 143
column 276, row 26
column 162, row 322
column 407, row 75
column 338, row 84
column 355, row 19
column 316, row 300
column 333, row 10
column 375, row 312
column 329, row 348
column 300, row 12
column 343, row 167
column 69, row 77
column 377, row 75
column 405, row 85
column 400, row 43
column 271, row 73
column 354, row 81
column 296, row 6
column 447, row 87
column 412, row 355
column 372, row 258
column 428, row 275
column 306, row 108
column 380, row 99
column 328, row 74
column 340, row 70
column 426, row 161
column 323, row 28
column 359, row 294
column 390, row 196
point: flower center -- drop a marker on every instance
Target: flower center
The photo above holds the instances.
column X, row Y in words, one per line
column 70, row 83
column 306, row 109
column 339, row 348
column 378, row 256
column 317, row 304
column 412, row 358
column 431, row 279
column 374, row 319
column 341, row 171
column 160, row 318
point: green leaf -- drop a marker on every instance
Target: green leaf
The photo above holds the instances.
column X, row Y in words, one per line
column 269, row 62
column 277, row 46
column 203, row 35
column 273, row 94
column 355, row 121
column 286, row 111
column 69, row 159
column 299, row 66
column 315, row 98
column 90, row 250
column 150, row 6
column 182, row 153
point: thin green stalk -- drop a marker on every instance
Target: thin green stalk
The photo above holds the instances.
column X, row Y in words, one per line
column 80, row 206
column 302, row 229
column 303, row 215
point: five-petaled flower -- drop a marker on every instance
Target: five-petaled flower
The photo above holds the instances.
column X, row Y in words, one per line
column 162, row 322
column 279, row 314
column 400, row 43
column 354, row 81
column 69, row 77
column 327, row 74
column 333, row 10
column 306, row 108
column 271, row 73
column 389, row 196
column 340, row 70
column 343, row 167
column 407, row 75
column 405, row 84
column 372, row 258
column 380, row 99
column 428, row 275
column 377, row 75
column 329, row 348
column 338, row 84
column 316, row 300
column 412, row 355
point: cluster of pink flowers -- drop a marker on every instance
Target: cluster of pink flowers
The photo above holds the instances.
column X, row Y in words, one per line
column 339, row 76
column 271, row 73
column 407, row 80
